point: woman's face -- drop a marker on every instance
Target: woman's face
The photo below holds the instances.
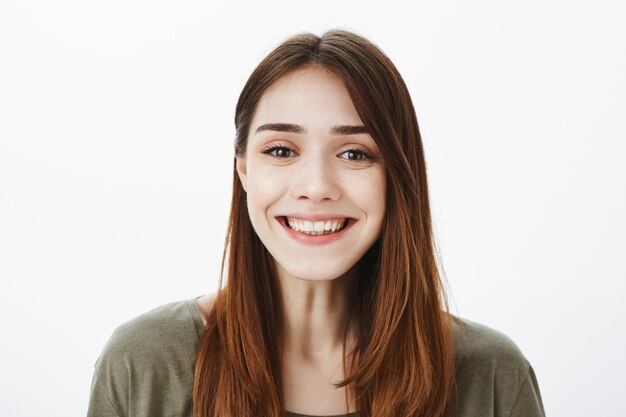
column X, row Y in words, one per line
column 311, row 168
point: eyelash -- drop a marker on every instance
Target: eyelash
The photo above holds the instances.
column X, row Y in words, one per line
column 366, row 155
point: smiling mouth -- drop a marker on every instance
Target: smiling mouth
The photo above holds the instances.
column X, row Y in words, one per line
column 314, row 228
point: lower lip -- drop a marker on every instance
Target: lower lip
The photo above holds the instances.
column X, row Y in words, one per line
column 315, row 239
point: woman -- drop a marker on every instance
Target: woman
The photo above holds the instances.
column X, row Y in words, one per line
column 333, row 303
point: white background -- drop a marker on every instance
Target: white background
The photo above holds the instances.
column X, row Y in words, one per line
column 116, row 132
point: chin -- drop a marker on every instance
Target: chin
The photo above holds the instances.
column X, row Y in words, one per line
column 313, row 276
column 315, row 272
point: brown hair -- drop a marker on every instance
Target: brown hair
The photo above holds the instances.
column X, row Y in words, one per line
column 404, row 364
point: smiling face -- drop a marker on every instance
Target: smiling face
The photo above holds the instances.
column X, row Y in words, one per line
column 314, row 178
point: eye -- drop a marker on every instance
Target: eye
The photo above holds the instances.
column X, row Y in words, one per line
column 278, row 151
column 357, row 154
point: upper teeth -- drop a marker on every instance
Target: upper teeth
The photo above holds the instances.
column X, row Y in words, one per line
column 318, row 227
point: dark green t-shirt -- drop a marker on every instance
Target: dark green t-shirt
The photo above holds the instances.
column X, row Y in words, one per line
column 146, row 369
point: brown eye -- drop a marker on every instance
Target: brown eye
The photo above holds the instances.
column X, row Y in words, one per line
column 278, row 151
column 357, row 155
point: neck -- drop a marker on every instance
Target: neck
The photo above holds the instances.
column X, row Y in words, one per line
column 316, row 316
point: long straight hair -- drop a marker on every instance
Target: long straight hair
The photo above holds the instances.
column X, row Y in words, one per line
column 404, row 355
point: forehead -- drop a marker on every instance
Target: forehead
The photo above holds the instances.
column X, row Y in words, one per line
column 313, row 97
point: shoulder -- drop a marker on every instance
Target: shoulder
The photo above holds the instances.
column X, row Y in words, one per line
column 493, row 377
column 480, row 345
column 148, row 333
column 147, row 355
column 158, row 326
column 151, row 346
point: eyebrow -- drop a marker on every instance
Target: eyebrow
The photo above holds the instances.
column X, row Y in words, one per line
column 292, row 128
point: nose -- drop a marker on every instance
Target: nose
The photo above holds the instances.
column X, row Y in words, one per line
column 315, row 179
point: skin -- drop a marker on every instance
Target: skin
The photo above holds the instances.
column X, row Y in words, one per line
column 313, row 173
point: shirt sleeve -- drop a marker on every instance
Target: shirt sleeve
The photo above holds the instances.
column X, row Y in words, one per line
column 528, row 402
column 100, row 404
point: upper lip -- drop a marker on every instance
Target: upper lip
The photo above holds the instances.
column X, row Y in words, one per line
column 316, row 217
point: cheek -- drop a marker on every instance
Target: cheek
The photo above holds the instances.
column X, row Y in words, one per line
column 379, row 198
column 263, row 190
column 370, row 188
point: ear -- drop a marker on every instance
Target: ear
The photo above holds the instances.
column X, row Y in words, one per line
column 241, row 170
